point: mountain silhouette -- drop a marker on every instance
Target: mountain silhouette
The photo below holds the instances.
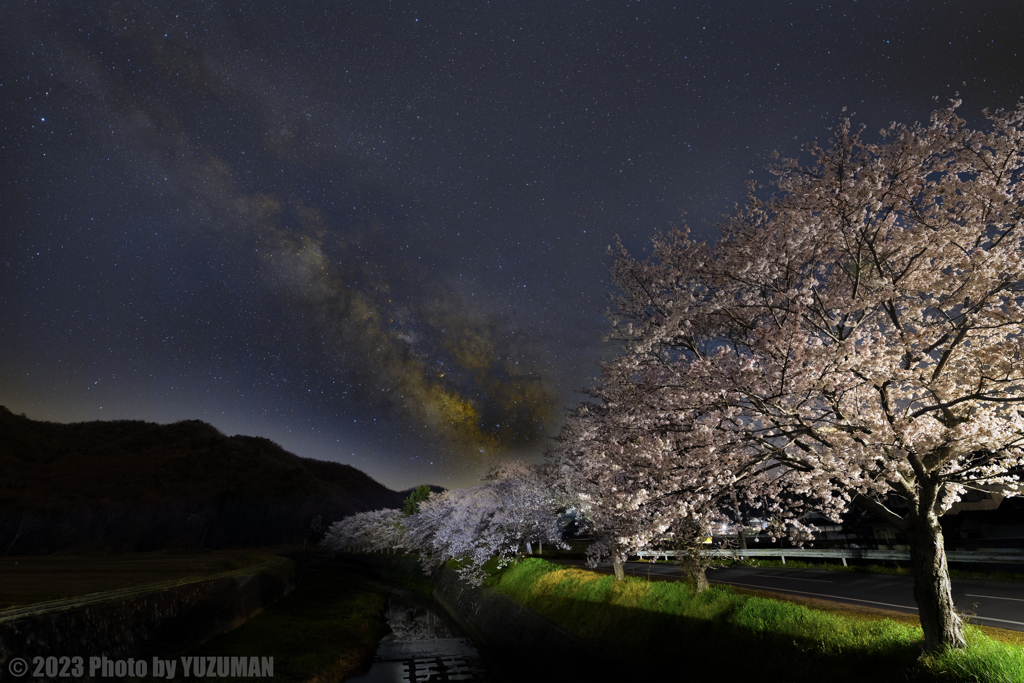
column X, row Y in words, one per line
column 132, row 485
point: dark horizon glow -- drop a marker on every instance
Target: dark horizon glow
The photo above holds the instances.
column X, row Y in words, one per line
column 376, row 232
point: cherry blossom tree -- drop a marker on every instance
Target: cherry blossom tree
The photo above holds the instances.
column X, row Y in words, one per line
column 528, row 505
column 455, row 525
column 590, row 461
column 498, row 519
column 855, row 337
column 372, row 532
column 630, row 484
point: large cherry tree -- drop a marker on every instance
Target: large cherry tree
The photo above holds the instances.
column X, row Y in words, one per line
column 853, row 338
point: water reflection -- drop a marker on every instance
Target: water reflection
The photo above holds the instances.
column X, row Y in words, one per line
column 414, row 622
column 422, row 647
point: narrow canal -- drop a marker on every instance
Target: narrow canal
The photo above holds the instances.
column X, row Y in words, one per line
column 423, row 646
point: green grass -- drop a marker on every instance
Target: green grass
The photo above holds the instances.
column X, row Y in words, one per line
column 985, row 660
column 325, row 629
column 664, row 624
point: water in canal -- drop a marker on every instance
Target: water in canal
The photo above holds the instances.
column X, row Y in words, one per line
column 422, row 647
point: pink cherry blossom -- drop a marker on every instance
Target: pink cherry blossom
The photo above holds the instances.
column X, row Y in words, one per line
column 853, row 337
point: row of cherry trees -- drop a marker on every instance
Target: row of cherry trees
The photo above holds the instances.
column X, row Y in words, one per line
column 854, row 338
column 514, row 508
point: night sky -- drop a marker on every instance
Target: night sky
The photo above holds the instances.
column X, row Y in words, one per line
column 376, row 232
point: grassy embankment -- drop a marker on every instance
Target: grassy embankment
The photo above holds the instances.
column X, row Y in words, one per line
column 664, row 625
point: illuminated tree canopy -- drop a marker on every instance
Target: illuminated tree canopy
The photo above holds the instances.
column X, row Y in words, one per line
column 855, row 337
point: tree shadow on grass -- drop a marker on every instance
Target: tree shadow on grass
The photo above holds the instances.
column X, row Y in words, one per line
column 603, row 630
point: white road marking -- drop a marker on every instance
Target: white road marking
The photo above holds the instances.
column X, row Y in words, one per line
column 994, row 597
column 1004, row 621
column 793, row 578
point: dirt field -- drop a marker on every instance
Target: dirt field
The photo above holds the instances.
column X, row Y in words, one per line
column 28, row 580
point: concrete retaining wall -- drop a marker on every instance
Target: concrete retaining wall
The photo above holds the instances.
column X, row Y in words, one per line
column 151, row 620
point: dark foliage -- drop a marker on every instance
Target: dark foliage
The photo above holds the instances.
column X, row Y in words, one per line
column 412, row 503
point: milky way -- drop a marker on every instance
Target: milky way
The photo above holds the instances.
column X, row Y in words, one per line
column 376, row 232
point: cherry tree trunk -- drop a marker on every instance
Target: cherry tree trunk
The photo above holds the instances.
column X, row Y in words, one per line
column 700, row 581
column 620, row 573
column 696, row 577
column 939, row 621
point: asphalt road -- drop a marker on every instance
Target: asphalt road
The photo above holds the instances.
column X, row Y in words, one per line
column 993, row 603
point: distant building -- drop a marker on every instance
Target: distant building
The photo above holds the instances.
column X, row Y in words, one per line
column 989, row 523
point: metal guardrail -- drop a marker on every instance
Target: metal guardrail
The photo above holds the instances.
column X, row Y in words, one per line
column 995, row 557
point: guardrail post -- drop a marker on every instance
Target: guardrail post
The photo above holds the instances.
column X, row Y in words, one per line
column 783, row 559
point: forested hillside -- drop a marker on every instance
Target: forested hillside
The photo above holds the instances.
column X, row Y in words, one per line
column 132, row 485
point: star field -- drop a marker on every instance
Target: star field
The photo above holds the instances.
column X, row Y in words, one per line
column 375, row 232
